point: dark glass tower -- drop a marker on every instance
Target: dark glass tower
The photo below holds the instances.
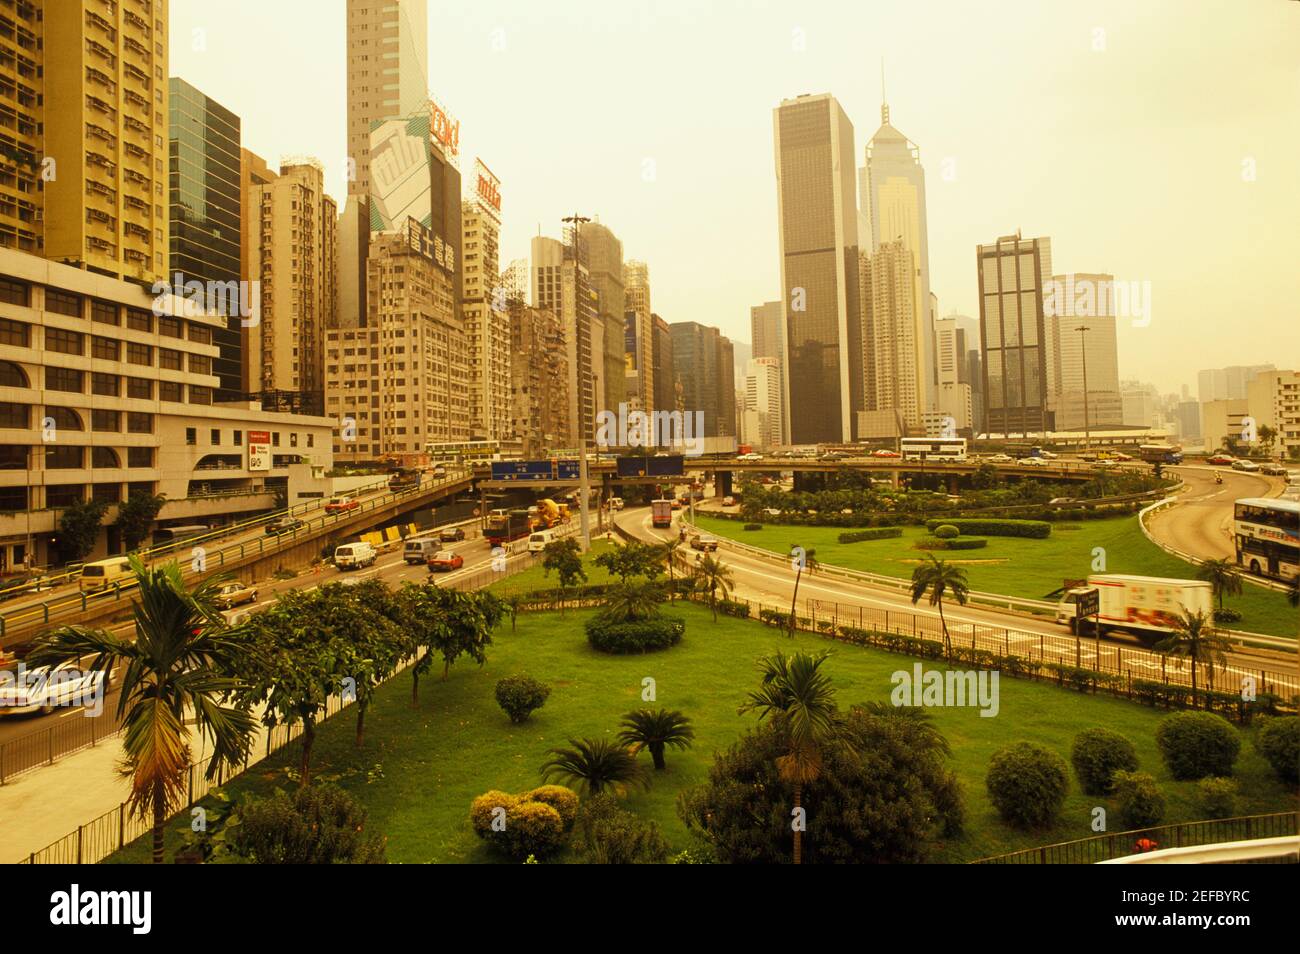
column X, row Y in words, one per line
column 205, row 211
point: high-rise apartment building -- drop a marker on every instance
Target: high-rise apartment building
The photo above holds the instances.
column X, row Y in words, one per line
column 767, row 332
column 892, row 182
column 1073, row 302
column 84, row 181
column 819, row 263
column 1273, row 398
column 293, row 242
column 666, row 394
column 703, row 362
column 1012, row 275
column 205, row 215
column 604, row 259
column 894, row 379
column 515, row 280
column 388, row 72
column 637, row 335
column 952, row 336
column 560, row 284
column 1227, row 384
column 762, row 408
column 539, row 380
column 487, row 324
column 1139, row 403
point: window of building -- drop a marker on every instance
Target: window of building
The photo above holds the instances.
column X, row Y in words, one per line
column 200, row 364
column 200, row 334
column 15, row 292
column 311, row 440
column 191, row 436
column 64, row 495
column 64, row 457
column 16, row 334
column 169, row 327
column 105, row 312
column 170, row 391
column 110, row 421
column 107, row 349
column 106, row 493
column 15, row 415
column 139, row 353
column 139, row 388
column 169, row 360
column 139, row 457
column 62, row 303
column 64, row 342
column 139, row 320
column 104, row 458
column 63, row 379
column 214, row 437
column 293, row 439
column 200, row 395
column 137, row 422
column 13, row 456
column 239, row 438
column 12, row 376
column 275, row 438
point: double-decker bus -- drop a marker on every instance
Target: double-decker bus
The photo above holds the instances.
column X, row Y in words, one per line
column 1266, row 531
column 463, row 453
column 1161, row 453
column 933, row 448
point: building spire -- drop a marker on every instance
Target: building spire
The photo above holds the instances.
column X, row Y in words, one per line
column 884, row 100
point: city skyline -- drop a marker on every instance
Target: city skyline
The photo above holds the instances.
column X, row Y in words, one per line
column 1216, row 121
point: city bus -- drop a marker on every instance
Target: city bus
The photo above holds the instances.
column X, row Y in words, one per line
column 933, row 448
column 1161, row 453
column 1266, row 531
column 463, row 453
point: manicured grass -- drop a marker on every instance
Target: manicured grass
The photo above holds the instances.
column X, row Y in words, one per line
column 1016, row 566
column 536, row 577
column 420, row 769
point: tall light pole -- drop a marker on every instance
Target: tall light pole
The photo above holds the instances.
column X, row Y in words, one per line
column 584, row 485
column 1083, row 353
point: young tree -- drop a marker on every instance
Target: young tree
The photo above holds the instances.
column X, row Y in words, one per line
column 668, row 553
column 940, row 579
column 446, row 624
column 656, row 730
column 565, row 558
column 136, row 515
column 1196, row 638
column 1223, row 577
column 802, row 560
column 631, row 559
column 712, row 577
column 179, row 670
column 79, row 529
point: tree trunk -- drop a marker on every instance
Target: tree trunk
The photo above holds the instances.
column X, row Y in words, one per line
column 794, row 600
column 798, row 834
column 947, row 642
column 415, row 687
column 1196, row 703
column 159, row 820
column 308, row 739
column 446, row 668
column 657, row 755
column 361, row 721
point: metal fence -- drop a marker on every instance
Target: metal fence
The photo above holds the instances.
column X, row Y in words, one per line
column 1087, row 851
column 64, row 737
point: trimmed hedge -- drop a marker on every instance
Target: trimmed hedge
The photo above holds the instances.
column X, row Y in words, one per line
column 1033, row 529
column 1097, row 754
column 875, row 533
column 635, row 636
column 955, row 543
column 1278, row 741
column 1027, row 784
column 753, row 526
column 946, row 531
column 1197, row 744
column 734, row 608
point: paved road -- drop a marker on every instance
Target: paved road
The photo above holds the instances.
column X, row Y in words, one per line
column 1201, row 522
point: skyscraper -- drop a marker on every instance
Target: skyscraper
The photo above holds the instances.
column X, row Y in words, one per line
column 892, row 181
column 1012, row 276
column 604, row 259
column 819, row 268
column 388, row 72
column 704, row 364
column 560, row 283
column 487, row 323
column 205, row 213
column 767, row 332
column 893, row 356
column 661, row 361
column 761, row 418
column 637, row 335
column 1075, row 301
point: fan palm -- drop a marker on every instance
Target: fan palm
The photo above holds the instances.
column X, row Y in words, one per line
column 625, row 602
column 795, row 690
column 803, row 560
column 593, row 766
column 1196, row 638
column 712, row 577
column 181, row 660
column 669, row 550
column 655, row 730
column 1223, row 577
column 939, row 579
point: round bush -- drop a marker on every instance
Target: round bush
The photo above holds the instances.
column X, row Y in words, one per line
column 1218, row 797
column 946, row 531
column 535, row 823
column 1097, row 754
column 1027, row 784
column 1278, row 740
column 1197, row 744
column 520, row 694
column 1141, row 803
column 1226, row 615
column 534, row 828
column 563, row 800
column 483, row 812
column 635, row 636
column 753, row 526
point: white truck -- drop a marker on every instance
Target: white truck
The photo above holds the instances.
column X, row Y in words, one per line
column 1143, row 605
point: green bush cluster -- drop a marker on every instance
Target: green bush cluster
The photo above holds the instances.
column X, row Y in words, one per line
column 1197, row 744
column 753, row 526
column 875, row 533
column 317, row 825
column 1032, row 529
column 1027, row 784
column 1217, row 796
column 1278, row 740
column 611, row 835
column 946, row 531
column 1141, row 803
column 1097, row 754
column 736, row 608
column 636, row 636
column 520, row 694
column 958, row 543
column 536, row 822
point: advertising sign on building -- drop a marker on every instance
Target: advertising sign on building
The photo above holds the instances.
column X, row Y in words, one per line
column 444, row 130
column 488, row 188
column 259, row 450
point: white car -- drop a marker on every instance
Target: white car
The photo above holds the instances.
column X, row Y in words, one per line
column 750, row 457
column 1001, row 459
column 1249, row 466
column 1034, row 462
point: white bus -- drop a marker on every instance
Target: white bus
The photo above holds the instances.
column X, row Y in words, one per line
column 1266, row 531
column 933, row 448
column 463, row 453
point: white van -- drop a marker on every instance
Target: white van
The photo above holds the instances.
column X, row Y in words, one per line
column 419, row 551
column 616, row 503
column 353, row 556
column 102, row 574
column 537, row 542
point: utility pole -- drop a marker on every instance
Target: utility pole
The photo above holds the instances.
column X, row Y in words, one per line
column 1083, row 353
column 584, row 484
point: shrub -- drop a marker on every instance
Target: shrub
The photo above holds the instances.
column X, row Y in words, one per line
column 534, row 828
column 775, row 618
column 875, row 533
column 1226, row 614
column 535, row 823
column 1197, row 744
column 959, row 543
column 637, row 636
column 1218, row 797
column 563, row 800
column 1141, row 803
column 317, row 825
column 1097, row 754
column 946, row 531
column 1027, row 784
column 753, row 526
column 520, row 694
column 1278, row 740
column 1035, row 529
column 612, row 835
column 735, row 608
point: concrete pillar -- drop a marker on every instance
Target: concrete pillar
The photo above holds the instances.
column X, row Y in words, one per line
column 722, row 483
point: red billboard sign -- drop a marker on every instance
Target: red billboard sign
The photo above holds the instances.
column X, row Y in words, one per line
column 489, row 186
column 444, row 129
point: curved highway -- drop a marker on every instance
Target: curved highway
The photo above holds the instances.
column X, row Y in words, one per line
column 1200, row 523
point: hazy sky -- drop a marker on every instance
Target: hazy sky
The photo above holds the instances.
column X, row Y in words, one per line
column 1125, row 131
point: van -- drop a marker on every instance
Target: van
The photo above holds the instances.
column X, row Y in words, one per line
column 537, row 542
column 102, row 574
column 353, row 556
column 419, row 551
column 616, row 503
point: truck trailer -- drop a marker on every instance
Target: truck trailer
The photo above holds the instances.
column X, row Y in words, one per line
column 1146, row 606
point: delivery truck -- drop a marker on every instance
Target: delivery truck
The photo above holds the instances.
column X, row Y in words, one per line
column 661, row 513
column 1145, row 606
column 504, row 526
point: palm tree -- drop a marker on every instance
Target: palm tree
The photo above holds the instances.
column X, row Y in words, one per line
column 625, row 602
column 594, row 766
column 179, row 665
column 711, row 576
column 939, row 579
column 511, row 606
column 1223, row 577
column 795, row 690
column 654, row 730
column 805, row 560
column 669, row 549
column 1195, row 637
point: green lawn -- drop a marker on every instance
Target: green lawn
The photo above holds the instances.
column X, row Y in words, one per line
column 420, row 769
column 536, row 578
column 1016, row 566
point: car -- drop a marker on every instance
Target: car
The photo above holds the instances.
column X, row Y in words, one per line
column 750, row 457
column 235, row 594
column 616, row 503
column 451, row 535
column 704, row 542
column 677, row 504
column 1221, row 460
column 42, row 689
column 1249, row 466
column 1105, row 465
column 1033, row 461
column 1001, row 459
column 885, row 452
column 834, row 455
column 440, row 471
column 1120, row 456
column 728, row 501
column 1273, row 470
column 284, row 525
column 444, row 561
column 1047, row 455
column 342, row 504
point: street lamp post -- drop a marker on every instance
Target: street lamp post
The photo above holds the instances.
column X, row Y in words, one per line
column 584, row 485
column 1083, row 353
